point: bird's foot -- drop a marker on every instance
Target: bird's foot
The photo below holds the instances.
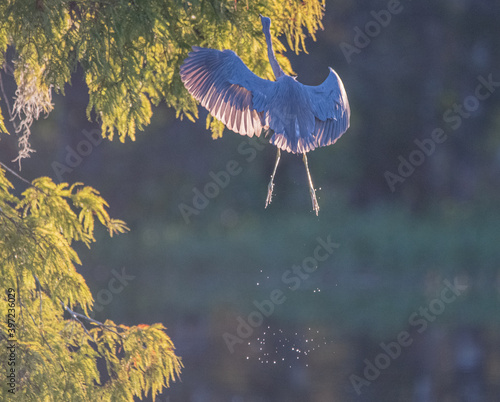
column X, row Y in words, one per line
column 269, row 197
column 270, row 186
column 314, row 201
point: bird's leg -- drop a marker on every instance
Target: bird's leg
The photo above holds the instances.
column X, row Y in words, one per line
column 311, row 187
column 270, row 186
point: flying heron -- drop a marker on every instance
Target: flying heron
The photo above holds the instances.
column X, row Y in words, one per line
column 302, row 117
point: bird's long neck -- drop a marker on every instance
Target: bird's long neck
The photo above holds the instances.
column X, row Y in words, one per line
column 278, row 72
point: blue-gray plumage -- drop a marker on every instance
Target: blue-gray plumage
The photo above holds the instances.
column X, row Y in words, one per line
column 302, row 117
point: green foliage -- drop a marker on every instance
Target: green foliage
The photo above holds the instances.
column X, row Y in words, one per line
column 56, row 355
column 131, row 51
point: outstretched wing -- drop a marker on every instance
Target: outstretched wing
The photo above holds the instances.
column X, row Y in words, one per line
column 330, row 107
column 225, row 86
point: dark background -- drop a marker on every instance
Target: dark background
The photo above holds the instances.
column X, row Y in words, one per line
column 398, row 251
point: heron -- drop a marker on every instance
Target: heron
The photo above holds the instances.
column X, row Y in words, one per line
column 301, row 117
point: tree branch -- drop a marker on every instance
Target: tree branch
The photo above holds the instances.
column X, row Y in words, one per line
column 75, row 315
column 17, row 175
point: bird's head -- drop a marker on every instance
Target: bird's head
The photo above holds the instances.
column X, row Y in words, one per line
column 266, row 23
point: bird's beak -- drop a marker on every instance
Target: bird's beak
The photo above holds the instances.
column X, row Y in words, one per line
column 260, row 15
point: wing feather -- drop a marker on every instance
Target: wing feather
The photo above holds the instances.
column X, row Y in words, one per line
column 305, row 117
column 330, row 107
column 225, row 86
column 302, row 117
